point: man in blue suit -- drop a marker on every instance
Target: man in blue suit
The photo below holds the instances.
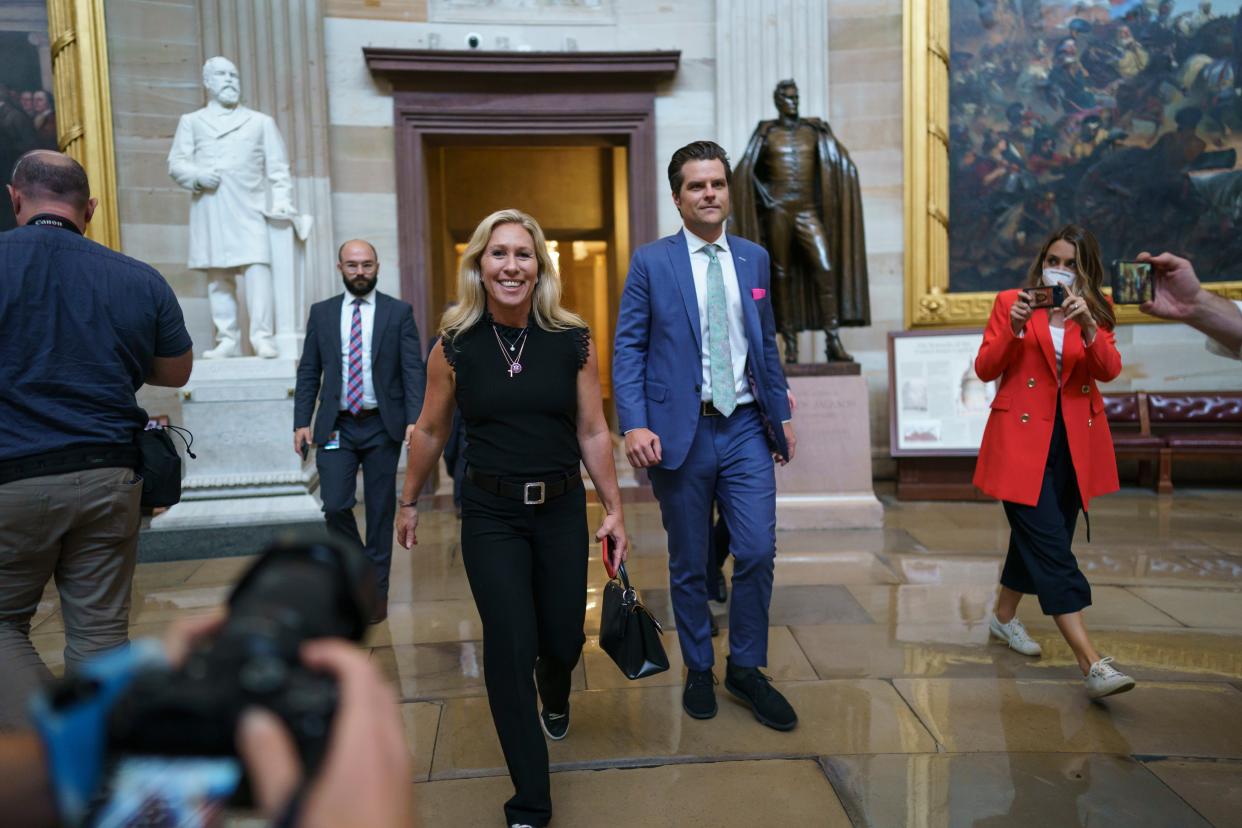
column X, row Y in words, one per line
column 702, row 401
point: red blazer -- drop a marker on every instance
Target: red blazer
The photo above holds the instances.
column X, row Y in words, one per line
column 1019, row 431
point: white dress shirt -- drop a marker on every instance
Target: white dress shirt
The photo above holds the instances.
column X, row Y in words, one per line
column 367, row 309
column 738, row 346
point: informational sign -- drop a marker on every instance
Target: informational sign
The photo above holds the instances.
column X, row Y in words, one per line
column 938, row 406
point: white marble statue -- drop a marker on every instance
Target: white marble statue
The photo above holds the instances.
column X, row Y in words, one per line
column 233, row 161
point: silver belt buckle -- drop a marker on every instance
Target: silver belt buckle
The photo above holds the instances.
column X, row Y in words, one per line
column 539, row 488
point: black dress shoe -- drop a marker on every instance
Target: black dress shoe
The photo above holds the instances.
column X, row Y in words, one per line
column 722, row 588
column 715, row 625
column 766, row 702
column 380, row 612
column 699, row 697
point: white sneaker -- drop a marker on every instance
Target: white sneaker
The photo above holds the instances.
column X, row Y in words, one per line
column 223, row 351
column 1014, row 634
column 1103, row 680
column 521, row 825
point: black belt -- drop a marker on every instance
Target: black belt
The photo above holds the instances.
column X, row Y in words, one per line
column 706, row 409
column 531, row 493
column 362, row 414
column 76, row 458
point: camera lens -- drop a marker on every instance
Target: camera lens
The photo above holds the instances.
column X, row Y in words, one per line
column 473, row 40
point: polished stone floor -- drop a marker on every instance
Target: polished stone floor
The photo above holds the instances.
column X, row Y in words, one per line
column 909, row 716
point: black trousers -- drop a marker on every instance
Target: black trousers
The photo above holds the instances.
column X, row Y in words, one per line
column 527, row 567
column 1040, row 560
column 368, row 443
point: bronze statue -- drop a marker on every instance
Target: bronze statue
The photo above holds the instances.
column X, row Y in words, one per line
column 796, row 192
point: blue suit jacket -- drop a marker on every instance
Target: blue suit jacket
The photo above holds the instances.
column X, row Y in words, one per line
column 657, row 372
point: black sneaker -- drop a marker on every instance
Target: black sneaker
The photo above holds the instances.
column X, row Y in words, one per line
column 699, row 697
column 555, row 725
column 766, row 702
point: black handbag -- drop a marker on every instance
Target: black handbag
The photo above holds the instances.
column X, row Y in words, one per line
column 161, row 466
column 628, row 632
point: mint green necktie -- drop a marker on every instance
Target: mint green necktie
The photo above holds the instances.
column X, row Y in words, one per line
column 720, row 360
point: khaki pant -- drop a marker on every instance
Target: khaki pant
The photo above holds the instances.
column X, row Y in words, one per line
column 80, row 528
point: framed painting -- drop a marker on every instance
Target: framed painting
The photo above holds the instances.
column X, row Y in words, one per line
column 1124, row 116
column 54, row 94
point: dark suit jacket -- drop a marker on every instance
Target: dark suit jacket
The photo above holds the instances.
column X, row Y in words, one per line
column 656, row 369
column 398, row 373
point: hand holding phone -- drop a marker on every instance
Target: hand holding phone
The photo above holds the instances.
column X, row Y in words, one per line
column 608, row 553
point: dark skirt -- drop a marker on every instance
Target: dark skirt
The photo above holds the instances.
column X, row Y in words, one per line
column 1040, row 560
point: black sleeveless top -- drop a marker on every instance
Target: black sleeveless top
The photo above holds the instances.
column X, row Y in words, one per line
column 525, row 426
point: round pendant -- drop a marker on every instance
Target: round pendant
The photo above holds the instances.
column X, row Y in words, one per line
column 516, row 367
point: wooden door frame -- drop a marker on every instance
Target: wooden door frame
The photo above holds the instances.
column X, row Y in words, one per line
column 442, row 94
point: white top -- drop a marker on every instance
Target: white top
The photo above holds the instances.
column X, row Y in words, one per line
column 367, row 309
column 738, row 346
column 1220, row 350
column 1058, row 344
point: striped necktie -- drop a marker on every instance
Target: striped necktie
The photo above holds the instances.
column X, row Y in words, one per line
column 720, row 359
column 353, row 398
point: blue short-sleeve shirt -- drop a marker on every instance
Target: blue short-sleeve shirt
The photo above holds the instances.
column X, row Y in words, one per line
column 80, row 326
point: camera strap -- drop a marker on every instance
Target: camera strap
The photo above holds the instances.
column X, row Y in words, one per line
column 53, row 220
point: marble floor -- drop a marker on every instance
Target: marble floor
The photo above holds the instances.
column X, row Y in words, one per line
column 909, row 716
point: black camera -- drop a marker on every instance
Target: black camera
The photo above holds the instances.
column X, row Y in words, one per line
column 294, row 593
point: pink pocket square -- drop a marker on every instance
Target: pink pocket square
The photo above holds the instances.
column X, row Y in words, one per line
column 757, row 293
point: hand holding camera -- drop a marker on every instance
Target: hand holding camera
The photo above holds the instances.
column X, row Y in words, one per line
column 1021, row 310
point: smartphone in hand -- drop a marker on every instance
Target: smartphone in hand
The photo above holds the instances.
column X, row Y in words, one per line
column 608, row 553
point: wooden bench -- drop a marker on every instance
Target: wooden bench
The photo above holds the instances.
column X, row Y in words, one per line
column 1130, row 423
column 1158, row 427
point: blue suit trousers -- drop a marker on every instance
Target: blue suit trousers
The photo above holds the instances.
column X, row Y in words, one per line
column 729, row 463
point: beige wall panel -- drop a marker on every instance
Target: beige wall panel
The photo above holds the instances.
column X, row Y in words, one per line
column 838, row 9
column 865, row 65
column 147, row 206
column 865, row 100
column 410, row 11
column 166, row 21
column 869, row 132
column 362, row 159
column 851, row 33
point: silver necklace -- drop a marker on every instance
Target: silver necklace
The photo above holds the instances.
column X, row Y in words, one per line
column 514, row 362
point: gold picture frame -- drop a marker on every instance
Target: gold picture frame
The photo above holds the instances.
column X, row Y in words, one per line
column 79, row 50
column 925, row 99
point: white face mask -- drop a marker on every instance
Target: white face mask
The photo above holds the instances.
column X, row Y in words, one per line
column 1057, row 276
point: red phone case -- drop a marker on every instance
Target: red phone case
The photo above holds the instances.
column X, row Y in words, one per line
column 605, row 548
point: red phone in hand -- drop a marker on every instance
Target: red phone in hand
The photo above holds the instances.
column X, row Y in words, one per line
column 606, row 551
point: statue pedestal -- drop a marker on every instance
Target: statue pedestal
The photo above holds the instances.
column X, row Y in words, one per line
column 828, row 485
column 240, row 412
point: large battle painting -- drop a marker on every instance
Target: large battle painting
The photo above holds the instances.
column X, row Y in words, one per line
column 1122, row 115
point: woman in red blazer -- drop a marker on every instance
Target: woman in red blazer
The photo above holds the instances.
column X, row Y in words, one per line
column 1047, row 449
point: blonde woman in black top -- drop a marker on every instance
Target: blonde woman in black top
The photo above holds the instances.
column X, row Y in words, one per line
column 523, row 371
